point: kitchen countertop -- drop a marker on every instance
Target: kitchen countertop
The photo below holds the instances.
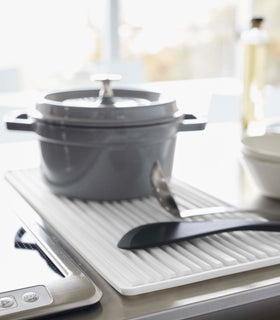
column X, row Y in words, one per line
column 209, row 160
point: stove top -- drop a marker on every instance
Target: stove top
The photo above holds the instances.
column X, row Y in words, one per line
column 93, row 230
column 25, row 264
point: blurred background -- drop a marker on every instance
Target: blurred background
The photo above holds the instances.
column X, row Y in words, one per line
column 51, row 45
column 46, row 44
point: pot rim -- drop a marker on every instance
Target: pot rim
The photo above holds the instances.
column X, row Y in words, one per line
column 33, row 114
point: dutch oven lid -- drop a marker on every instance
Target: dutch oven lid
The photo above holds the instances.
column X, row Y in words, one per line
column 106, row 107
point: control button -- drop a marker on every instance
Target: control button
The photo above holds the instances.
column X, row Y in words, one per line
column 30, row 297
column 7, row 302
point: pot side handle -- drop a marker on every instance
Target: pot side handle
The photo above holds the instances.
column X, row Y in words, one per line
column 19, row 120
column 191, row 123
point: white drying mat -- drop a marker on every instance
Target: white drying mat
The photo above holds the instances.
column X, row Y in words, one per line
column 94, row 229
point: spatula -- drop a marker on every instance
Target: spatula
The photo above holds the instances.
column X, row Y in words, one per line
column 161, row 233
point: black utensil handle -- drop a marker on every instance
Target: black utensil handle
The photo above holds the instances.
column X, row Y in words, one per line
column 162, row 233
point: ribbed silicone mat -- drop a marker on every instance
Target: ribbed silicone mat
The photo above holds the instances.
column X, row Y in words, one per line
column 94, row 228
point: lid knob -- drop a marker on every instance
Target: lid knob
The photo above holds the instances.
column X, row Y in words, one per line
column 106, row 94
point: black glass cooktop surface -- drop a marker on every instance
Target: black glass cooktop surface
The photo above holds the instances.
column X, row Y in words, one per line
column 23, row 263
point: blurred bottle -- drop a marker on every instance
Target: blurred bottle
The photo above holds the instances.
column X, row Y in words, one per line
column 255, row 43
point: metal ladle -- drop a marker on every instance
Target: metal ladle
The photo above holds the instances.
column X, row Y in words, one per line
column 167, row 201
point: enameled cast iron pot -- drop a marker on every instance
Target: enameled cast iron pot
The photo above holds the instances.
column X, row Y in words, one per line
column 102, row 145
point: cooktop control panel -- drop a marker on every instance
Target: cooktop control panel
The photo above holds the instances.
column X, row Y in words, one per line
column 24, row 299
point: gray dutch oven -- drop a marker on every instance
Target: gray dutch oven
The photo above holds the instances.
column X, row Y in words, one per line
column 102, row 145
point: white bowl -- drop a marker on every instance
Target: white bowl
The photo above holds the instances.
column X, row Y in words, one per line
column 265, row 174
column 265, row 147
column 259, row 156
column 273, row 128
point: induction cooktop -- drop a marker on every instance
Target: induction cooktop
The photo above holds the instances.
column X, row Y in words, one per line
column 37, row 277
